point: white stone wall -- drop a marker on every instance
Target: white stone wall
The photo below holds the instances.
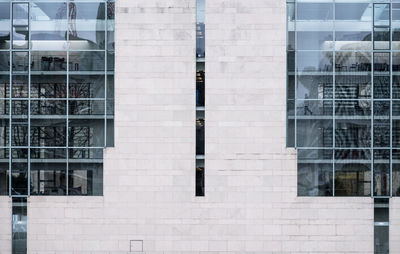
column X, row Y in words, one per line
column 394, row 226
column 250, row 204
column 5, row 224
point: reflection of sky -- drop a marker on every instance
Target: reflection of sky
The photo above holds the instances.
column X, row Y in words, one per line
column 200, row 8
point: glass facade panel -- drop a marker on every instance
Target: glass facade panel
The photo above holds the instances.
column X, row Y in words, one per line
column 5, row 26
column 86, row 61
column 49, row 25
column 20, row 25
column 314, row 61
column 4, row 169
column 48, row 171
column 352, row 179
column 85, row 172
column 88, row 23
column 343, row 96
column 19, row 225
column 56, row 95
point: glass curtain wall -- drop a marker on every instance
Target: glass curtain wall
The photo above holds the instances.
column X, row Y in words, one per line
column 342, row 103
column 56, row 95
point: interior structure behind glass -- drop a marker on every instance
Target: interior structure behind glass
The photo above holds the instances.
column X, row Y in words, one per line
column 56, row 95
column 343, row 96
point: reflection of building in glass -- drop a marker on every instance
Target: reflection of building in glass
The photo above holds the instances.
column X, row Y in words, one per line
column 56, row 76
column 342, row 99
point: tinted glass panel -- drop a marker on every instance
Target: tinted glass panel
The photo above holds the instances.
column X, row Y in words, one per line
column 4, row 25
column 49, row 25
column 88, row 21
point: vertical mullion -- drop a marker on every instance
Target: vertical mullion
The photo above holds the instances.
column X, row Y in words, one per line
column 105, row 69
column 295, row 74
column 372, row 102
column 29, row 97
column 67, row 101
column 334, row 98
column 391, row 102
column 10, row 101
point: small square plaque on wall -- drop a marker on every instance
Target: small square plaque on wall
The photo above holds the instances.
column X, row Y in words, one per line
column 136, row 246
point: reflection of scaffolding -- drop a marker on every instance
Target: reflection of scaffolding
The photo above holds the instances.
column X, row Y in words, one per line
column 72, row 18
column 62, row 11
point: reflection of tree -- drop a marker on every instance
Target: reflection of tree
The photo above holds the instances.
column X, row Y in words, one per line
column 48, row 135
column 80, row 87
column 315, row 180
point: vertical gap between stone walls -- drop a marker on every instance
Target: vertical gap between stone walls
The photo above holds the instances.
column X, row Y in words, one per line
column 200, row 99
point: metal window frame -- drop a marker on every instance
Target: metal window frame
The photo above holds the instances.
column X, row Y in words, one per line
column 105, row 73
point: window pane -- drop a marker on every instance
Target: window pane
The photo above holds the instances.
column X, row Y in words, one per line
column 88, row 22
column 314, row 87
column 86, row 61
column 381, row 38
column 110, row 61
column 200, row 88
column 86, row 133
column 353, row 26
column 353, row 40
column 20, row 25
column 200, row 178
column 353, row 133
column 396, row 87
column 49, row 26
column 382, row 63
column 381, row 172
column 381, row 239
column 396, row 26
column 314, row 108
column 381, row 14
column 19, row 225
column 352, row 179
column 314, row 133
column 314, row 11
column 45, row 61
column 86, row 107
column 396, row 172
column 4, row 25
column 318, row 61
column 4, row 61
column 86, row 86
column 19, row 172
column 381, row 87
column 49, row 86
column 48, row 167
column 20, row 86
column 200, row 133
column 41, row 108
column 353, row 87
column 353, row 62
column 353, row 11
column 20, row 62
column 353, row 108
column 48, row 132
column 4, row 134
column 4, row 171
column 315, row 40
column 347, row 155
column 110, row 25
column 19, row 128
column 200, row 28
column 314, row 179
column 85, row 172
column 110, row 95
